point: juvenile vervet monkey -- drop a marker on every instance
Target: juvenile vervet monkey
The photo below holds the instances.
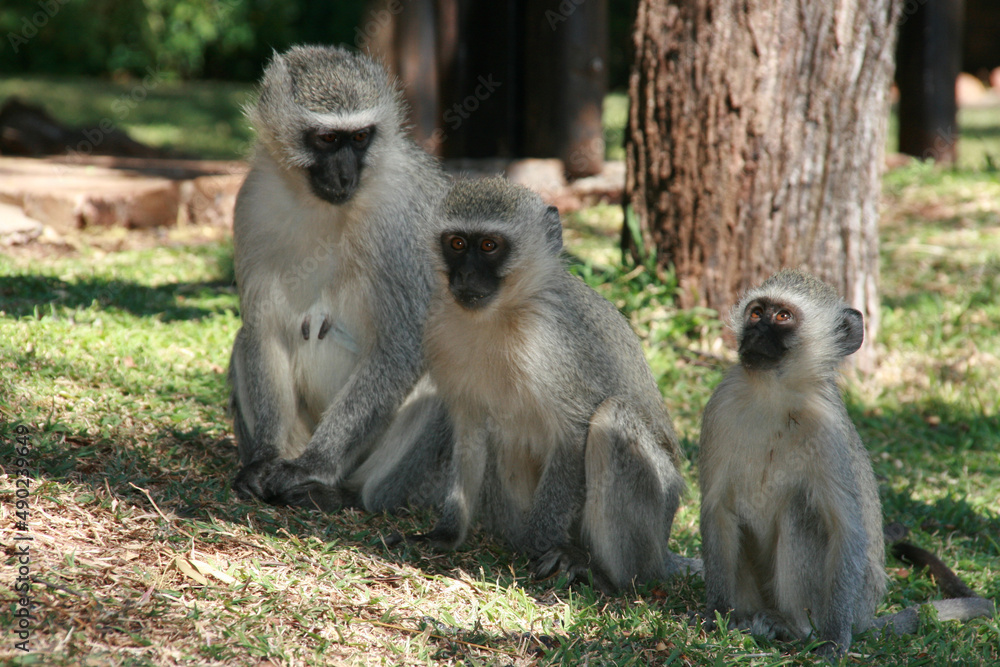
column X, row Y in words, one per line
column 334, row 286
column 790, row 516
column 563, row 445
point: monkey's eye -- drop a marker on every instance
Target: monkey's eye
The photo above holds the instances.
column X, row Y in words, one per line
column 755, row 314
column 326, row 137
column 782, row 316
column 361, row 136
column 457, row 243
column 488, row 245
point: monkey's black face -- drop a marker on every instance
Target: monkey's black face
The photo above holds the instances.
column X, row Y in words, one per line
column 769, row 330
column 337, row 161
column 474, row 264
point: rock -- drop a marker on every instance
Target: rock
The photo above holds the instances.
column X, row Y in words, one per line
column 544, row 175
column 16, row 228
column 606, row 187
column 131, row 193
column 969, row 89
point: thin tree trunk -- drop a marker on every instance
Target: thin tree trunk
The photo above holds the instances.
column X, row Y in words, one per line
column 755, row 142
column 928, row 60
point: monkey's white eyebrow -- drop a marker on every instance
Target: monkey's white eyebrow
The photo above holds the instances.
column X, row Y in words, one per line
column 343, row 121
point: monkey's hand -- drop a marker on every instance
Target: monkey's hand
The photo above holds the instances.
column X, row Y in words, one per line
column 281, row 482
column 568, row 559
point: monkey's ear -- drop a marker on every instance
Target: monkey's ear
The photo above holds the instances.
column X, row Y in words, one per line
column 850, row 331
column 553, row 228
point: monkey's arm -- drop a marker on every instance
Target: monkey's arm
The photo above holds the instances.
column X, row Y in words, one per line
column 459, row 508
column 846, row 562
column 259, row 372
column 557, row 501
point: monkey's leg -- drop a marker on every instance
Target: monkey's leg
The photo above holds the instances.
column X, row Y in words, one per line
column 412, row 462
column 633, row 491
column 819, row 566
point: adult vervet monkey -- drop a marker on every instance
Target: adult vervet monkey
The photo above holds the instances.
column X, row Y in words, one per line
column 563, row 445
column 790, row 516
column 334, row 284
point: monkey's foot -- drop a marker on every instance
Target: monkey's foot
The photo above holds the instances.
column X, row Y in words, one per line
column 280, row 482
column 830, row 651
column 439, row 539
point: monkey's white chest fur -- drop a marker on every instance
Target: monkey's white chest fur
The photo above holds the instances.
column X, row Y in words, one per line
column 762, row 455
column 305, row 287
column 490, row 372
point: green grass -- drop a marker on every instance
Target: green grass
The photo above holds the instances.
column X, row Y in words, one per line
column 202, row 119
column 115, row 362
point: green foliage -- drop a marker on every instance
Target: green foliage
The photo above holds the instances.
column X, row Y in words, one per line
column 228, row 39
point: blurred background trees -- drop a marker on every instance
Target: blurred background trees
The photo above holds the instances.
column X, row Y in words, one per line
column 185, row 39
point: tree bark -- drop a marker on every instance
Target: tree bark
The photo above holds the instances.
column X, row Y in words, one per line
column 755, row 142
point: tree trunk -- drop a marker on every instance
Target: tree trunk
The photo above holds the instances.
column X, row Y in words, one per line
column 563, row 99
column 928, row 60
column 755, row 142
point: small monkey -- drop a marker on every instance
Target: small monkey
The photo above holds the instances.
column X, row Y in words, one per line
column 562, row 444
column 790, row 517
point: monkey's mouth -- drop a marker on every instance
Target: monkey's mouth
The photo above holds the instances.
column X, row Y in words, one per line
column 330, row 194
column 472, row 299
column 333, row 189
column 757, row 361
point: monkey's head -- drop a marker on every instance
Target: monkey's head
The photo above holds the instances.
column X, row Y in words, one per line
column 496, row 238
column 328, row 113
column 792, row 318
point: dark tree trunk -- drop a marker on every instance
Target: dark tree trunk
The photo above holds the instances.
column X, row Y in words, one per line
column 565, row 80
column 755, row 142
column 928, row 61
column 480, row 89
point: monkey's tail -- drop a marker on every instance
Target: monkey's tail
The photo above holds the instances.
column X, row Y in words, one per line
column 961, row 603
column 907, row 622
column 951, row 584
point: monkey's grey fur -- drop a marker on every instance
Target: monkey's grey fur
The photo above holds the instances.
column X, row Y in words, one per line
column 563, row 445
column 790, row 517
column 334, row 284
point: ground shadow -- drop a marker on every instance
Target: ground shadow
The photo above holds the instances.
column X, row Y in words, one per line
column 27, row 295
